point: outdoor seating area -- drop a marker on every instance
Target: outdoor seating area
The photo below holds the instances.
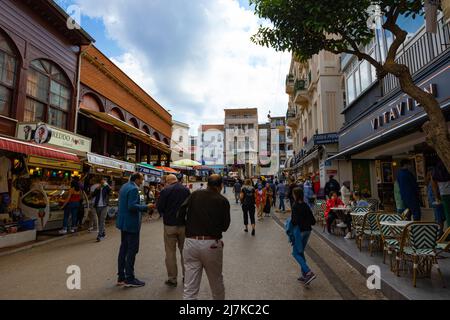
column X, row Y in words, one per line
column 415, row 250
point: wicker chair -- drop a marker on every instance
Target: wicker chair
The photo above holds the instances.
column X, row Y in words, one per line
column 371, row 231
column 418, row 245
column 389, row 235
column 358, row 225
column 373, row 204
column 443, row 244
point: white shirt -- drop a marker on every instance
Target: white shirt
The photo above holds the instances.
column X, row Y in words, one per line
column 345, row 195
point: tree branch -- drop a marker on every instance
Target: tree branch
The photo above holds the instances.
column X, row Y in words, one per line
column 400, row 34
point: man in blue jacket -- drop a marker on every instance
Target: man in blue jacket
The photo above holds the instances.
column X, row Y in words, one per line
column 129, row 223
column 409, row 190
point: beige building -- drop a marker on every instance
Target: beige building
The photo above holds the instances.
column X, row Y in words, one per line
column 316, row 95
column 180, row 143
column 241, row 140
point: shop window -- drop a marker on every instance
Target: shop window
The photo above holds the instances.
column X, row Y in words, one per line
column 8, row 72
column 48, row 94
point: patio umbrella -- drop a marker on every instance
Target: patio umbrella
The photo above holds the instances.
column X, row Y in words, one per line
column 186, row 164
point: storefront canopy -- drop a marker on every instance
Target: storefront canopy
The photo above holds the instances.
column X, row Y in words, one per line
column 167, row 169
column 148, row 169
column 27, row 148
column 123, row 126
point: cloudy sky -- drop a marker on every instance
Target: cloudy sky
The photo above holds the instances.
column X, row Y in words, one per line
column 194, row 57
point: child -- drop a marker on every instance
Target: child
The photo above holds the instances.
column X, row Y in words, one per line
column 302, row 219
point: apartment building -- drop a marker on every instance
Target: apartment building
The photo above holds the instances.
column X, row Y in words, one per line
column 210, row 152
column 180, row 143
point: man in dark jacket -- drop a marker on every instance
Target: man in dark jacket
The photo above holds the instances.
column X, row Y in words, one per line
column 100, row 203
column 409, row 190
column 237, row 190
column 170, row 201
column 332, row 185
column 206, row 214
column 128, row 221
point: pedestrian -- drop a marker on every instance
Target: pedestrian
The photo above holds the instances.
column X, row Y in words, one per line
column 100, row 204
column 330, row 215
column 291, row 187
column 237, row 190
column 332, row 186
column 308, row 192
column 248, row 202
column 273, row 186
column 399, row 205
column 206, row 214
column 442, row 178
column 409, row 190
column 316, row 183
column 129, row 217
column 260, row 201
column 434, row 200
column 224, row 188
column 281, row 190
column 93, row 219
column 345, row 192
column 71, row 207
column 302, row 220
column 170, row 201
column 359, row 200
column 268, row 200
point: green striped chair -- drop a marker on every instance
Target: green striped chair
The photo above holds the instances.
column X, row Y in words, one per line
column 371, row 231
column 389, row 235
column 373, row 204
column 443, row 244
column 418, row 245
column 358, row 224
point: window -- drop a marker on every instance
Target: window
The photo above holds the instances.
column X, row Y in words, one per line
column 8, row 72
column 180, row 139
column 365, row 75
column 48, row 94
column 350, row 89
column 180, row 154
column 357, row 82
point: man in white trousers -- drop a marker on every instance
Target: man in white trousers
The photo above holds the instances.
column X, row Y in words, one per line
column 206, row 214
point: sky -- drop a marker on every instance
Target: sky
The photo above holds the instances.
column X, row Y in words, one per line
column 194, row 57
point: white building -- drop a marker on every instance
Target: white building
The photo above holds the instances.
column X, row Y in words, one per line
column 180, row 143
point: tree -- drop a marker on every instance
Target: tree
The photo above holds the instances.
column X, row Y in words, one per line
column 305, row 27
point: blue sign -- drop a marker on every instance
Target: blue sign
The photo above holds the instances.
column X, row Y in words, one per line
column 149, row 171
column 326, row 138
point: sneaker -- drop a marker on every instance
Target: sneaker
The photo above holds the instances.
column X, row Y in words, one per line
column 120, row 282
column 341, row 225
column 301, row 279
column 348, row 236
column 73, row 230
column 253, row 232
column 171, row 284
column 135, row 283
column 309, row 277
column 63, row 231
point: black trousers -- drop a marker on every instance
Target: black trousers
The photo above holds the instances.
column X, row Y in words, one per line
column 249, row 211
column 347, row 219
column 129, row 247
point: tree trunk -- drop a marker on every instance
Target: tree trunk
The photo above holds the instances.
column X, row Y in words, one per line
column 436, row 130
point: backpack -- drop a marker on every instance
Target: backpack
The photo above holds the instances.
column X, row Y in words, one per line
column 249, row 197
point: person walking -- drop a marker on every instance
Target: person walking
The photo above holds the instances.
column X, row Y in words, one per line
column 442, row 178
column 237, row 190
column 93, row 219
column 260, row 201
column 308, row 193
column 302, row 219
column 409, row 190
column 269, row 199
column 273, row 187
column 71, row 207
column 248, row 201
column 100, row 203
column 332, row 186
column 128, row 221
column 281, row 190
column 290, row 194
column 206, row 214
column 170, row 201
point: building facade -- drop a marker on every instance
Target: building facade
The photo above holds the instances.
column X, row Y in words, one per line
column 193, row 149
column 241, row 141
column 316, row 93
column 180, row 142
column 210, row 152
column 382, row 124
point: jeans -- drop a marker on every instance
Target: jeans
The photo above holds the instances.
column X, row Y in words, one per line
column 249, row 211
column 298, row 251
column 101, row 216
column 282, row 207
column 237, row 196
column 330, row 219
column 71, row 209
column 129, row 247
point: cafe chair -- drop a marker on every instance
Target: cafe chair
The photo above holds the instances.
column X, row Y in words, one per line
column 389, row 235
column 373, row 204
column 443, row 244
column 405, row 214
column 371, row 231
column 357, row 225
column 418, row 246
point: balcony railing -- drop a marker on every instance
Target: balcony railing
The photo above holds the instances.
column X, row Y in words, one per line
column 301, row 93
column 290, row 82
column 419, row 52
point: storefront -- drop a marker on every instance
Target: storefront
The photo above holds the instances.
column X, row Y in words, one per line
column 372, row 148
column 151, row 174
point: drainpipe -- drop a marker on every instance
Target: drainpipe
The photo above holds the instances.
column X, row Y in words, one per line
column 77, row 107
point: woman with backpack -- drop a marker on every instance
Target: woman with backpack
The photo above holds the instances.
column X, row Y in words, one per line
column 302, row 219
column 248, row 200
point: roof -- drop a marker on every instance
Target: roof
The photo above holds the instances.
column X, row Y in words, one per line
column 180, row 124
column 206, row 127
column 50, row 11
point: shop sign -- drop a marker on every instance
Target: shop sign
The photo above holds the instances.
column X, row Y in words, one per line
column 331, row 172
column 53, row 163
column 401, row 109
column 149, row 171
column 110, row 163
column 43, row 133
column 326, row 138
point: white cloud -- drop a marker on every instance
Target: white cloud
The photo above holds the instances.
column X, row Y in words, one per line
column 195, row 57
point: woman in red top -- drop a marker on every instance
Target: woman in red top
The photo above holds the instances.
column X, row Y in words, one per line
column 260, row 196
column 333, row 202
column 71, row 207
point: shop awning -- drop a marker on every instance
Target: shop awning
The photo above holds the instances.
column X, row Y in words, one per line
column 167, row 169
column 27, row 148
column 148, row 169
column 123, row 126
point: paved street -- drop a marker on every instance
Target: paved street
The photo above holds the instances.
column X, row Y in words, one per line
column 254, row 268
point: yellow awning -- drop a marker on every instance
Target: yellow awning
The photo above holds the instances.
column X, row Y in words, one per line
column 123, row 126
